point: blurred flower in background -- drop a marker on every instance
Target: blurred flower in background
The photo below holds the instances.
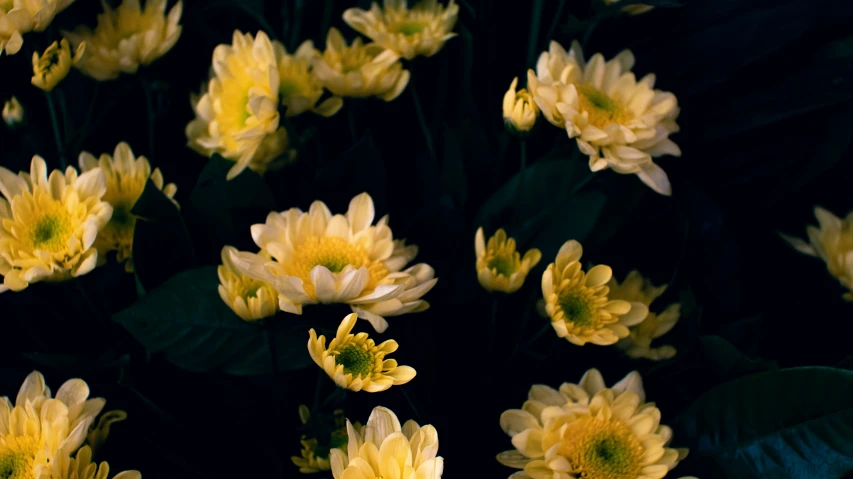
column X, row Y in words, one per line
column 831, row 241
column 13, row 113
column 299, row 88
column 53, row 65
column 640, row 292
column 634, row 9
column 519, row 109
column 21, row 16
column 499, row 266
column 81, row 467
column 314, row 456
column 250, row 298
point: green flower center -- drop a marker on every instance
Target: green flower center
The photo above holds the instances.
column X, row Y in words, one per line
column 576, row 308
column 14, row 466
column 287, row 88
column 252, row 290
column 502, row 265
column 602, row 109
column 609, row 457
column 6, row 5
column 355, row 360
column 409, row 28
column 51, row 232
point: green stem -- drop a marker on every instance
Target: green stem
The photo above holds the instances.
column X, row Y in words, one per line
column 84, row 129
column 81, row 290
column 411, row 403
column 149, row 106
column 493, row 322
column 267, row 325
column 422, row 119
column 521, row 175
column 351, row 119
column 523, row 324
column 318, row 390
column 328, row 7
column 535, row 21
column 539, row 334
column 57, row 135
column 297, row 22
column 556, row 20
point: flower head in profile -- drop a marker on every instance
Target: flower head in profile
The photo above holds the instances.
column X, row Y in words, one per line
column 499, row 266
column 385, row 449
column 99, row 432
column 314, row 456
column 48, row 225
column 13, row 113
column 127, row 37
column 53, row 65
column 634, row 9
column 618, row 121
column 831, row 241
column 299, row 88
column 578, row 304
column 126, row 177
column 250, row 298
column 640, row 292
column 360, row 70
column 237, row 117
column 317, row 257
column 588, row 430
column 356, row 362
column 21, row 16
column 81, row 467
column 519, row 109
column 38, row 430
column 409, row 32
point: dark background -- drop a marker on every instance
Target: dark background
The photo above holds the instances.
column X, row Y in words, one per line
column 765, row 88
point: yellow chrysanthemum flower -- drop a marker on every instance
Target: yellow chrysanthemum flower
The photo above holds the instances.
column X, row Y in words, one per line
column 360, row 70
column 13, row 113
column 250, row 298
column 578, row 302
column 355, row 362
column 126, row 176
column 238, row 115
column 314, row 457
column 421, row 30
column 38, row 430
column 641, row 292
column 499, row 266
column 127, row 37
column 21, row 16
column 52, row 67
column 634, row 9
column 320, row 258
column 591, row 431
column 619, row 122
column 82, row 467
column 831, row 241
column 385, row 449
column 519, row 109
column 48, row 225
column 299, row 89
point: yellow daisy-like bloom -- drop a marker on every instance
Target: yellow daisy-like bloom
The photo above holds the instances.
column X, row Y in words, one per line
column 519, row 109
column 578, row 302
column 238, row 115
column 38, row 430
column 360, row 70
column 299, row 89
column 421, row 30
column 385, row 449
column 127, row 37
column 589, row 431
column 13, row 113
column 250, row 298
column 355, row 362
column 321, row 258
column 641, row 292
column 52, row 67
column 634, row 9
column 619, row 122
column 48, row 225
column 831, row 241
column 314, row 457
column 499, row 266
column 21, row 16
column 126, row 176
column 82, row 467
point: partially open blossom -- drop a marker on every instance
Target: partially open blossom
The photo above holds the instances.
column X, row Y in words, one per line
column 641, row 292
column 499, row 266
column 519, row 109
column 831, row 241
column 298, row 87
column 52, row 67
column 250, row 298
column 13, row 112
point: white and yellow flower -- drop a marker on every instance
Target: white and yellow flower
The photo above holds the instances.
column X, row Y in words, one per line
column 499, row 266
column 618, row 121
column 126, row 177
column 250, row 298
column 127, row 37
column 13, row 113
column 52, row 67
column 299, row 88
column 385, row 449
column 641, row 292
column 356, row 362
column 519, row 109
column 578, row 302
column 81, row 467
column 48, row 225
column 21, row 16
column 360, row 70
column 321, row 258
column 409, row 32
column 831, row 241
column 237, row 116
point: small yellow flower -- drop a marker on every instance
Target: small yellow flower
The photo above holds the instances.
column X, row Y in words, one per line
column 21, row 16
column 126, row 177
column 314, row 457
column 48, row 225
column 578, row 302
column 385, row 449
column 520, row 111
column 831, row 241
column 52, row 67
column 13, row 113
column 355, row 362
column 251, row 299
column 360, row 70
column 499, row 266
column 634, row 9
column 421, row 30
column 82, row 467
column 641, row 292
column 299, row 89
column 127, row 37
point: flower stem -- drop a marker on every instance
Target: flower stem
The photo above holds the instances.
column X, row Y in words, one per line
column 411, row 403
column 523, row 324
column 351, row 118
column 57, row 135
column 81, row 290
column 318, row 390
column 493, row 322
column 422, row 119
column 535, row 21
column 539, row 334
column 149, row 106
column 521, row 172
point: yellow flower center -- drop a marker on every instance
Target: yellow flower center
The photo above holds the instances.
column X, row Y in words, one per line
column 578, row 309
column 603, row 110
column 600, row 449
column 52, row 230
column 17, row 458
column 356, row 360
column 335, row 254
column 408, row 27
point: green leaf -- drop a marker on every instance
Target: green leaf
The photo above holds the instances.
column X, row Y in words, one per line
column 186, row 320
column 573, row 218
column 727, row 361
column 161, row 242
column 794, row 423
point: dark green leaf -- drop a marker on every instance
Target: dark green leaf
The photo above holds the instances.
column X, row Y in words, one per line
column 359, row 169
column 727, row 361
column 572, row 218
